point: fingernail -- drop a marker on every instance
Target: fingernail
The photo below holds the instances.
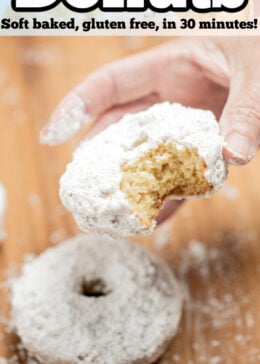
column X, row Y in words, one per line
column 240, row 148
column 66, row 121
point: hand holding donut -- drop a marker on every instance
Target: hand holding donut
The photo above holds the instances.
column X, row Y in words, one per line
column 209, row 73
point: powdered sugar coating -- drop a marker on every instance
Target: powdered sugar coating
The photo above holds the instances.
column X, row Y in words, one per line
column 90, row 188
column 67, row 120
column 133, row 323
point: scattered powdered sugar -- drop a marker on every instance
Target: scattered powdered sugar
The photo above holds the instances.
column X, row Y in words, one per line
column 57, row 236
column 214, row 320
column 161, row 236
column 250, row 322
column 229, row 192
column 3, row 205
column 136, row 313
column 215, row 305
column 196, row 254
column 18, row 116
column 215, row 360
column 40, row 57
column 34, row 199
column 68, row 118
column 133, row 43
column 176, row 358
column 10, row 95
column 200, row 258
column 215, row 343
column 90, row 188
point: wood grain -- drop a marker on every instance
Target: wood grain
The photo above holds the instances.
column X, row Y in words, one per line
column 221, row 274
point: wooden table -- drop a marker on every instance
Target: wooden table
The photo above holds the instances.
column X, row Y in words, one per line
column 213, row 245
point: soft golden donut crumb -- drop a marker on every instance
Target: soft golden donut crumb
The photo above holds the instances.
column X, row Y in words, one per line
column 160, row 173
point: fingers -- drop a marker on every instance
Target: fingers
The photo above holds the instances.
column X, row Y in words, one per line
column 121, row 82
column 168, row 209
column 240, row 121
column 67, row 119
column 113, row 115
column 115, row 84
column 131, row 79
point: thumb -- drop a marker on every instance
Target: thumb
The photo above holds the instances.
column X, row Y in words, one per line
column 240, row 122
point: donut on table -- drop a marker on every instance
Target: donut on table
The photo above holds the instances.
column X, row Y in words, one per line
column 91, row 301
column 118, row 181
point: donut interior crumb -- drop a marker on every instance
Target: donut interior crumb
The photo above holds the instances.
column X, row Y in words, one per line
column 160, row 173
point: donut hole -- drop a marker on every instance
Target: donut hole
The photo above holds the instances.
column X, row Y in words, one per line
column 82, row 357
column 162, row 172
column 94, row 288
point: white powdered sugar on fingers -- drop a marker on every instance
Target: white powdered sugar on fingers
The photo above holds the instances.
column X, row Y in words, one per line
column 69, row 118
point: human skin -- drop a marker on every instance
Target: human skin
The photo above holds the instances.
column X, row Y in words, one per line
column 221, row 74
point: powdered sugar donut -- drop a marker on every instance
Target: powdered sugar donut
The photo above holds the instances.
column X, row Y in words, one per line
column 95, row 301
column 118, row 181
